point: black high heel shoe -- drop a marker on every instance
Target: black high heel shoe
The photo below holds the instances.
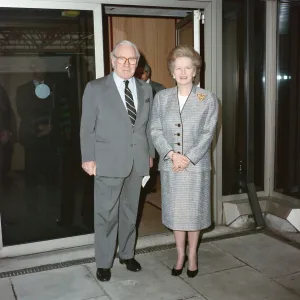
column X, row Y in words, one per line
column 192, row 274
column 177, row 272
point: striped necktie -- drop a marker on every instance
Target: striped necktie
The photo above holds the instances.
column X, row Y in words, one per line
column 130, row 103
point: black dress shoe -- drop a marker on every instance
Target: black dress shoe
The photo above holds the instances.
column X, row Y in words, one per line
column 131, row 264
column 177, row 272
column 192, row 274
column 103, row 274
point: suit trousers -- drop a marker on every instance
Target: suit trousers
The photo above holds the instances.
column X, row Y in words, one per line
column 116, row 202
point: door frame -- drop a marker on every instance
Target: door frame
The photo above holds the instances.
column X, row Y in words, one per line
column 213, row 79
column 271, row 96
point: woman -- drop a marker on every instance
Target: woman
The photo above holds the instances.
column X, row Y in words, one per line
column 182, row 126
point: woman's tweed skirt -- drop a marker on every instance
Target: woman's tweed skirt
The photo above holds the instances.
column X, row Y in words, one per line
column 186, row 200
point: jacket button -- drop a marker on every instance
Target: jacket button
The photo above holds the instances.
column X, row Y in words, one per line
column 178, row 144
column 178, row 152
column 179, row 125
column 178, row 134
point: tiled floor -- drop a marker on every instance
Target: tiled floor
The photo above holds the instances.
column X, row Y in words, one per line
column 151, row 221
column 250, row 267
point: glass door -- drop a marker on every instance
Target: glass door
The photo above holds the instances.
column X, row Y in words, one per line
column 47, row 57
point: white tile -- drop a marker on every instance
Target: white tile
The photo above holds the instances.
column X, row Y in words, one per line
column 154, row 282
column 291, row 282
column 74, row 283
column 210, row 259
column 240, row 284
column 264, row 253
column 6, row 290
column 294, row 218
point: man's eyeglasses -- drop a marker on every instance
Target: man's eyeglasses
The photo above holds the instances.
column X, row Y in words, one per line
column 123, row 60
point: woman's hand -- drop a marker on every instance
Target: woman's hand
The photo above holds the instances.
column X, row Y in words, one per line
column 180, row 162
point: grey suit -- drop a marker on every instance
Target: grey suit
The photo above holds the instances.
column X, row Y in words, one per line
column 186, row 194
column 156, row 87
column 122, row 153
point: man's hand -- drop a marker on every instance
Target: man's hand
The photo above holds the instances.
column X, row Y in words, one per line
column 151, row 162
column 89, row 167
column 43, row 129
column 180, row 162
column 5, row 136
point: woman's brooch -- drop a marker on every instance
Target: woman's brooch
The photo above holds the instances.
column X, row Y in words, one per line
column 201, row 97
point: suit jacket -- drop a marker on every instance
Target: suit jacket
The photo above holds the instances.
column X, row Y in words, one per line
column 107, row 135
column 7, row 116
column 156, row 87
column 189, row 132
column 32, row 111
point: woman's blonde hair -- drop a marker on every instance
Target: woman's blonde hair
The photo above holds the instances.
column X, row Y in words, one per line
column 184, row 51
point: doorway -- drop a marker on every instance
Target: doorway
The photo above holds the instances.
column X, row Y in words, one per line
column 156, row 32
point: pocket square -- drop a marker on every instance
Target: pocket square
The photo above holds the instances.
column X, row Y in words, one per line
column 147, row 100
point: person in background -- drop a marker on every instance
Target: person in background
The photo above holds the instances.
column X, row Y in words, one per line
column 37, row 128
column 143, row 72
column 7, row 135
column 182, row 127
column 146, row 76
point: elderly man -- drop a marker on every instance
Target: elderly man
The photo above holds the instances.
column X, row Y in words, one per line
column 117, row 149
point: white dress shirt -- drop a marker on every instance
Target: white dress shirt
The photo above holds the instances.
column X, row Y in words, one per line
column 36, row 83
column 121, row 88
column 182, row 100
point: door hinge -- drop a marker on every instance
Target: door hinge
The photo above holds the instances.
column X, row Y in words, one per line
column 197, row 14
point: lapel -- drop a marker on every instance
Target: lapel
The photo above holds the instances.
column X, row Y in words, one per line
column 191, row 104
column 31, row 89
column 140, row 98
column 173, row 104
column 114, row 97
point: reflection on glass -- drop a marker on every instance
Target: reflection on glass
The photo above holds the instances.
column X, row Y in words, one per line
column 287, row 160
column 234, row 102
column 46, row 60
